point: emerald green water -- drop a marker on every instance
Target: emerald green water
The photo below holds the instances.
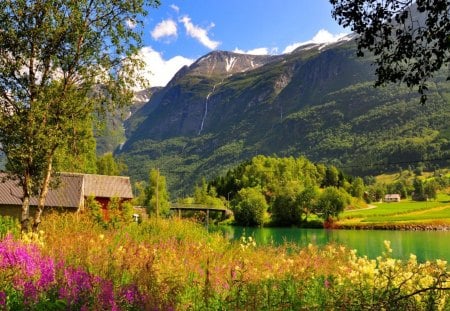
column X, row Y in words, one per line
column 426, row 245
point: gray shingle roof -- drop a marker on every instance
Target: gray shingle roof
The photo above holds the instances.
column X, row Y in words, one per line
column 67, row 194
column 107, row 186
column 71, row 189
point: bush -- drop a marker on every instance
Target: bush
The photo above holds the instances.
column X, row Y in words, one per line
column 286, row 210
column 332, row 202
column 116, row 214
column 250, row 207
column 9, row 225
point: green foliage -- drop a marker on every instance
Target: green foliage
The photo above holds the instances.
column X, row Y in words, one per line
column 286, row 210
column 250, row 207
column 307, row 199
column 430, row 189
column 78, row 154
column 290, row 185
column 376, row 192
column 275, row 175
column 117, row 213
column 9, row 225
column 156, row 195
column 94, row 210
column 419, row 190
column 357, row 188
column 140, row 190
column 331, row 178
column 408, row 38
column 108, row 165
column 332, row 202
column 207, row 195
column 59, row 62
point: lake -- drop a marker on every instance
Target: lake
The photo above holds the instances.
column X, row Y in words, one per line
column 426, row 245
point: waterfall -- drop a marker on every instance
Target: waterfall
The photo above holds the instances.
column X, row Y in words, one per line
column 206, row 107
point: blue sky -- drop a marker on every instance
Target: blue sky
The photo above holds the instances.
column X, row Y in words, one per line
column 180, row 31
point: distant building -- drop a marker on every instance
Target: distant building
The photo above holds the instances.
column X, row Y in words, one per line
column 70, row 194
column 392, row 197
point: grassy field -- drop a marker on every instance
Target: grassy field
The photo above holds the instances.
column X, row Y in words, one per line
column 407, row 211
column 391, row 178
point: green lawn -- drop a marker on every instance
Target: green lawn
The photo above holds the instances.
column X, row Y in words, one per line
column 405, row 211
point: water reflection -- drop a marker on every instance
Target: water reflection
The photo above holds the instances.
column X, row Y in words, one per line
column 426, row 245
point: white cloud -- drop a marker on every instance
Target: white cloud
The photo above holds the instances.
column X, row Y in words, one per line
column 130, row 23
column 175, row 8
column 257, row 51
column 158, row 70
column 322, row 36
column 166, row 28
column 201, row 34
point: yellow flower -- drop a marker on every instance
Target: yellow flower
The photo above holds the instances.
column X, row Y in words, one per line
column 442, row 264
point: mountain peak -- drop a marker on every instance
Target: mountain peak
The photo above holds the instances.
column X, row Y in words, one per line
column 228, row 63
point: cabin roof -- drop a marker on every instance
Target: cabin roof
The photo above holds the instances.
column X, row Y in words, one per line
column 71, row 189
column 107, row 186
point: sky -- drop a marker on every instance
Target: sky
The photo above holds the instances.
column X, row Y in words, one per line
column 180, row 31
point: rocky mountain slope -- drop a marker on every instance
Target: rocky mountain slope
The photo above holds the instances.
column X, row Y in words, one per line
column 317, row 101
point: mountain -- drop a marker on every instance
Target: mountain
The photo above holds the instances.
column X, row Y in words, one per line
column 317, row 101
column 109, row 130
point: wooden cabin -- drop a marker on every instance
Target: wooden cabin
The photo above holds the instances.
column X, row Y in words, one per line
column 70, row 193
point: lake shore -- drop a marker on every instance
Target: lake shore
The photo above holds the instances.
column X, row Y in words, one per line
column 395, row 226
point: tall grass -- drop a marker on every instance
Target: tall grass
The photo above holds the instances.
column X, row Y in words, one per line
column 175, row 264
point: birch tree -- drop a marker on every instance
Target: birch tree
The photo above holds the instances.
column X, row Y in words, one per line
column 60, row 60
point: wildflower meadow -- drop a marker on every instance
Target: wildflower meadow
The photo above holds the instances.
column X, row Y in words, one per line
column 171, row 264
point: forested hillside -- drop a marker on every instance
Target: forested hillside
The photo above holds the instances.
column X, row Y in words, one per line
column 318, row 101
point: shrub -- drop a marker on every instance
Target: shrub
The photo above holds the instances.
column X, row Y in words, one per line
column 9, row 225
column 250, row 207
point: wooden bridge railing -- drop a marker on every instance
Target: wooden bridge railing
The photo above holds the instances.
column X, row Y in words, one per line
column 178, row 207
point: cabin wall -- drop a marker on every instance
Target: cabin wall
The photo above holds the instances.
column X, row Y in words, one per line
column 15, row 211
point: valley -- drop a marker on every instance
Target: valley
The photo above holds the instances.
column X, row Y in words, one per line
column 318, row 101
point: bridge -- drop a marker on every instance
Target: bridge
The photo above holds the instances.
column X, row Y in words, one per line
column 179, row 207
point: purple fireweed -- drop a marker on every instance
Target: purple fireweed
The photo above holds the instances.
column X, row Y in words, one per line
column 2, row 298
column 130, row 294
column 17, row 255
column 30, row 292
column 36, row 276
column 106, row 297
column 77, row 284
column 47, row 269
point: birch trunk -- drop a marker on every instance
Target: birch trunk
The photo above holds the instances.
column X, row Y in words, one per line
column 25, row 215
column 43, row 195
